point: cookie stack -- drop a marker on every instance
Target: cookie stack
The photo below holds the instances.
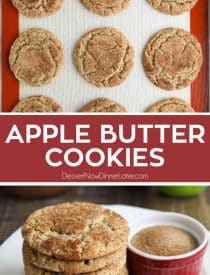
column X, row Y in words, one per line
column 75, row 238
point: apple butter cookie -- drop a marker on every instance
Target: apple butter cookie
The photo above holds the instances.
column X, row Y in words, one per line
column 173, row 59
column 37, row 8
column 171, row 105
column 173, row 7
column 106, row 7
column 104, row 57
column 35, row 57
column 37, row 104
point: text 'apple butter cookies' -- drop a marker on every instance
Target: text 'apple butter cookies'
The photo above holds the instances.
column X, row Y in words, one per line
column 104, row 57
column 173, row 7
column 103, row 105
column 36, row 57
column 37, row 8
column 173, row 59
column 106, row 7
column 75, row 238
column 176, row 105
column 37, row 104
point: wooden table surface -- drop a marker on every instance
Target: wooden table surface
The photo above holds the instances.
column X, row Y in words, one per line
column 13, row 211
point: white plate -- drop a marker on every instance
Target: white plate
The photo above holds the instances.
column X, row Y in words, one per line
column 11, row 254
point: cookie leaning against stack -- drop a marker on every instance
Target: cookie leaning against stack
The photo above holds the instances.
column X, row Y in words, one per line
column 75, row 238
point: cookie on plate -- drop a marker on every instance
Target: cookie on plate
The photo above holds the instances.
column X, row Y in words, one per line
column 106, row 7
column 75, row 231
column 173, row 7
column 173, row 59
column 72, row 267
column 35, row 57
column 37, row 8
column 37, row 104
column 171, row 105
column 103, row 105
column 104, row 57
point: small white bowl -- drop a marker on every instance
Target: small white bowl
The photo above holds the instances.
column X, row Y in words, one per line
column 188, row 263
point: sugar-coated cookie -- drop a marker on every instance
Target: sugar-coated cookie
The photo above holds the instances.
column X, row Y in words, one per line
column 173, row 59
column 35, row 57
column 37, row 104
column 173, row 7
column 75, row 231
column 37, row 8
column 103, row 105
column 71, row 267
column 171, row 105
column 106, row 7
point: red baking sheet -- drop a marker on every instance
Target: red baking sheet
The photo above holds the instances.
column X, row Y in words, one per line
column 199, row 27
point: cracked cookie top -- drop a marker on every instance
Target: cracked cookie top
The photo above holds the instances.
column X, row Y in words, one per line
column 173, row 7
column 35, row 57
column 103, row 105
column 173, row 59
column 37, row 104
column 75, row 231
column 37, row 8
column 168, row 105
column 104, row 57
column 106, row 7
